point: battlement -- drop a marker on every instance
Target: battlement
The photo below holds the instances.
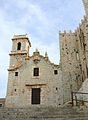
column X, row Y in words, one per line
column 81, row 24
column 70, row 33
column 66, row 34
column 82, row 20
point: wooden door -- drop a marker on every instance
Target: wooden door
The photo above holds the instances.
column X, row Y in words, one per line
column 35, row 96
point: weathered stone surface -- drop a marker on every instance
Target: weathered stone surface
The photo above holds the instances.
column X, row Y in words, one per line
column 19, row 89
column 2, row 102
column 44, row 113
column 74, row 57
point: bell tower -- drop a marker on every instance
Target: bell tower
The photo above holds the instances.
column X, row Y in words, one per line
column 20, row 50
column 18, row 55
column 85, row 2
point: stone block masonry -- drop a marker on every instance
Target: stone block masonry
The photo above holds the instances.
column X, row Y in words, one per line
column 74, row 58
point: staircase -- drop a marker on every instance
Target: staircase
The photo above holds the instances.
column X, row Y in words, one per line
column 44, row 113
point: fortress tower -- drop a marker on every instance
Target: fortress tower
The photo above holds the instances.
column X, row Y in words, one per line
column 74, row 57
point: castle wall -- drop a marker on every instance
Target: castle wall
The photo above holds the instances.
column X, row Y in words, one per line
column 74, row 58
column 82, row 46
column 69, row 64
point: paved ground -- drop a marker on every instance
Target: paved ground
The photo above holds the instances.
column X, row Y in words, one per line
column 44, row 113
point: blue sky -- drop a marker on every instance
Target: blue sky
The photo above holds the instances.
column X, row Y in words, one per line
column 41, row 19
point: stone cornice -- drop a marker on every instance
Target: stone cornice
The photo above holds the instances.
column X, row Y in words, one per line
column 35, row 57
column 22, row 37
column 17, row 53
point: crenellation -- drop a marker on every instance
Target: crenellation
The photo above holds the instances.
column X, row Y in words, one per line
column 65, row 31
column 59, row 31
column 80, row 25
column 70, row 31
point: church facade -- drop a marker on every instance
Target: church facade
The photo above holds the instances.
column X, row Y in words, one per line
column 32, row 80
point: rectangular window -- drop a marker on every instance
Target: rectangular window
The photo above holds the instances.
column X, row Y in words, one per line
column 16, row 73
column 55, row 72
column 87, row 71
column 0, row 105
column 36, row 71
column 77, row 55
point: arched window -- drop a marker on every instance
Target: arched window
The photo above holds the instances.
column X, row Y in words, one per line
column 19, row 46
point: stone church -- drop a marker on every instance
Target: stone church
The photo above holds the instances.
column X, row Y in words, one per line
column 34, row 80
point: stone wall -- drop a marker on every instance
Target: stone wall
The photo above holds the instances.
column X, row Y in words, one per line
column 74, row 58
column 69, row 64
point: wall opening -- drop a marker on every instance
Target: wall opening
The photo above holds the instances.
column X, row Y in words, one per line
column 15, row 90
column 35, row 98
column 19, row 46
column 16, row 73
column 0, row 105
column 56, row 88
column 55, row 72
column 87, row 71
column 36, row 71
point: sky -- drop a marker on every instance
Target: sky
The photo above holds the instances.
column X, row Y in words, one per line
column 41, row 20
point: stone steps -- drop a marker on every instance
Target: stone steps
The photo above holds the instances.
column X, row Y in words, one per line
column 44, row 113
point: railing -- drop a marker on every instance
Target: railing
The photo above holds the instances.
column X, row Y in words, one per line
column 79, row 99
